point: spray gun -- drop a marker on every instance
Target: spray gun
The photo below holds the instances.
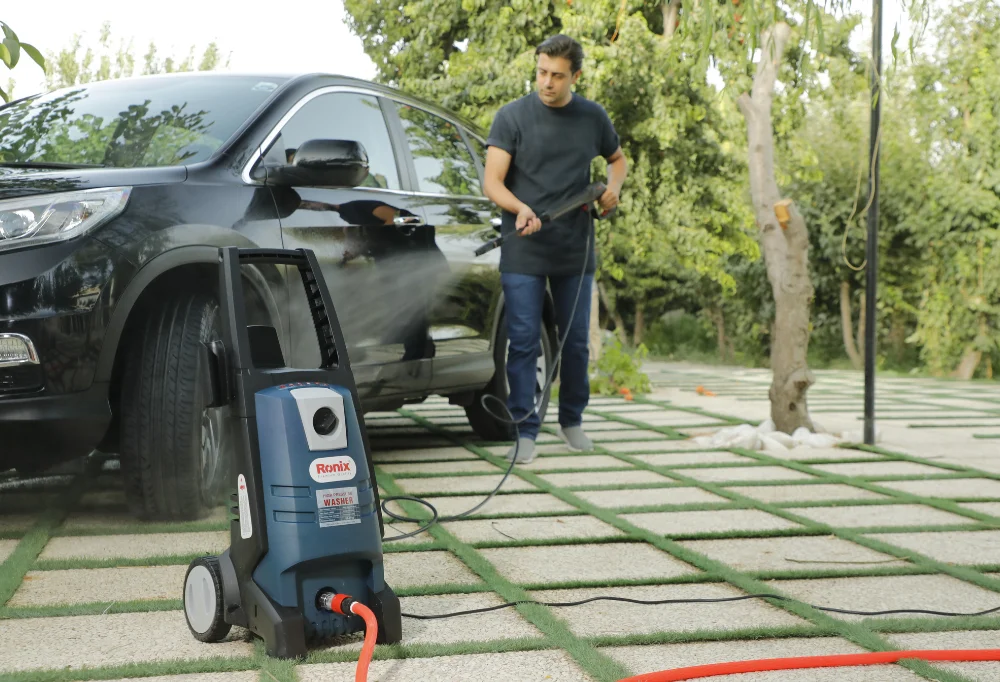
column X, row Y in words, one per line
column 585, row 200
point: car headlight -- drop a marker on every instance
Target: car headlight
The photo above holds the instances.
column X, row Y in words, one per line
column 47, row 218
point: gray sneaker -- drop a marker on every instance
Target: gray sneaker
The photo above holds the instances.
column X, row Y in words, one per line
column 525, row 448
column 576, row 439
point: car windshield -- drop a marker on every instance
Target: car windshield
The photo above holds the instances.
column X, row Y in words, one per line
column 159, row 121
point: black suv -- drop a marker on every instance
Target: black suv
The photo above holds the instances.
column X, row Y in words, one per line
column 114, row 200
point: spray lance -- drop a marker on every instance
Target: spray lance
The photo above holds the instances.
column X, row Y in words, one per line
column 586, row 199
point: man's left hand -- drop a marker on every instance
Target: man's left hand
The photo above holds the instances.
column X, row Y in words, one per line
column 609, row 199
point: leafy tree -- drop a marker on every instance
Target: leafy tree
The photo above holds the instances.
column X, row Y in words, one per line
column 106, row 61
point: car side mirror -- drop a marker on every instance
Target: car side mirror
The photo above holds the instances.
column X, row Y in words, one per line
column 322, row 163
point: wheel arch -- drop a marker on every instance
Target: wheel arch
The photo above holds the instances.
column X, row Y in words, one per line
column 187, row 268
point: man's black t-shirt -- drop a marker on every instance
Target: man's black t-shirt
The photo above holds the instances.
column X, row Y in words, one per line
column 552, row 149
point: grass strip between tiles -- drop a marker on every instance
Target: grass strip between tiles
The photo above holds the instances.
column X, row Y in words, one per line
column 31, row 544
column 92, row 608
column 217, row 664
column 857, row 633
column 597, row 664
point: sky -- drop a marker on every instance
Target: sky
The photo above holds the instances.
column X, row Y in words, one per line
column 290, row 36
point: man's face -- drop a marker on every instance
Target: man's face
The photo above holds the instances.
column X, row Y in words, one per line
column 554, row 78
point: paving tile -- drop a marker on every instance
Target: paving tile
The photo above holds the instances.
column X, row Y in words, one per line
column 7, row 548
column 462, row 484
column 600, row 425
column 884, row 593
column 881, row 515
column 764, row 473
column 477, row 466
column 579, row 462
column 890, row 468
column 102, row 498
column 542, row 528
column 135, row 546
column 820, row 492
column 677, row 445
column 803, row 454
column 15, row 502
column 379, row 422
column 528, row 666
column 82, row 586
column 617, row 499
column 717, row 521
column 687, row 458
column 412, row 569
column 954, row 488
column 563, row 563
column 991, row 508
column 665, row 418
column 604, row 478
column 791, row 554
column 631, row 433
column 17, row 522
column 978, row 671
column 868, row 673
column 109, row 520
column 602, row 618
column 422, row 455
column 652, row 658
column 515, row 503
column 73, row 642
column 954, row 547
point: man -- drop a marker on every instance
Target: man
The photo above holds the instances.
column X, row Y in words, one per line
column 540, row 148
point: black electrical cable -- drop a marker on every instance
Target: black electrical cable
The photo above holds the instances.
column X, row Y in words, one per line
column 656, row 602
column 507, row 420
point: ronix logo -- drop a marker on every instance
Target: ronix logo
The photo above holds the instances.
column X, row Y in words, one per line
column 328, row 469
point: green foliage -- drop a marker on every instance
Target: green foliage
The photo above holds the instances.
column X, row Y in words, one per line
column 10, row 54
column 619, row 370
column 105, row 61
column 685, row 237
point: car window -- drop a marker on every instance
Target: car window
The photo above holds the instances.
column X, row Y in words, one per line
column 341, row 116
column 131, row 123
column 443, row 162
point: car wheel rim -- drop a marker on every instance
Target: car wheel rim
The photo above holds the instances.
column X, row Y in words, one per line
column 211, row 447
column 541, row 373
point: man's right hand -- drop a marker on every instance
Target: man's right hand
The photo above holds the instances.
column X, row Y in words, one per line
column 527, row 223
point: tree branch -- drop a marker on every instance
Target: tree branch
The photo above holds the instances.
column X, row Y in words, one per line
column 671, row 10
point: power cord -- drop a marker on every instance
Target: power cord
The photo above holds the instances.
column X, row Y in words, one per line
column 435, row 518
column 657, row 602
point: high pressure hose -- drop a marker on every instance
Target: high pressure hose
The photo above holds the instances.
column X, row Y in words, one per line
column 435, row 518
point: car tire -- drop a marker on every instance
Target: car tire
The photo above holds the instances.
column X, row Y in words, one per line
column 172, row 446
column 485, row 424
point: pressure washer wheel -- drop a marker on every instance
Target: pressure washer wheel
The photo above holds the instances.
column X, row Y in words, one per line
column 203, row 602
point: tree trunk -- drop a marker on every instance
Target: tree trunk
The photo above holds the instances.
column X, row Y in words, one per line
column 847, row 324
column 720, row 330
column 613, row 312
column 671, row 11
column 967, row 367
column 595, row 325
column 640, row 324
column 785, row 244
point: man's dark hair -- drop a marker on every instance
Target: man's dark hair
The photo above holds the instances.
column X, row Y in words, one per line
column 565, row 47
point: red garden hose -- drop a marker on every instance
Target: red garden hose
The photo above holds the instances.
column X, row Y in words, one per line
column 836, row 661
column 337, row 603
column 371, row 632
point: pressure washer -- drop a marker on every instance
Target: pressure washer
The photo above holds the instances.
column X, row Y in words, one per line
column 305, row 555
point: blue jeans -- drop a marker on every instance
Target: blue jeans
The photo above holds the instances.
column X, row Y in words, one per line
column 525, row 296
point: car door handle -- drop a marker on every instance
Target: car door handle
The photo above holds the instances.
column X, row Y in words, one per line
column 407, row 220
